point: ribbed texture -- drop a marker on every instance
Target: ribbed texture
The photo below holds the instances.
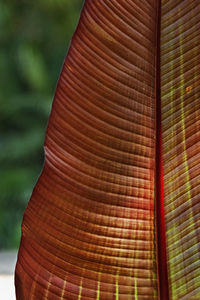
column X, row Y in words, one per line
column 180, row 87
column 88, row 231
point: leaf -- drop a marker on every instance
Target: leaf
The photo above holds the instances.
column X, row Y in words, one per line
column 32, row 67
column 93, row 229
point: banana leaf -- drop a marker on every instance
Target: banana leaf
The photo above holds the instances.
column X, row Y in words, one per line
column 115, row 212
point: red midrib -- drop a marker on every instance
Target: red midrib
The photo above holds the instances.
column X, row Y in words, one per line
column 161, row 235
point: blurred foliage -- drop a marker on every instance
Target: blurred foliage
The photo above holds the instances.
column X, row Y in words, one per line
column 34, row 39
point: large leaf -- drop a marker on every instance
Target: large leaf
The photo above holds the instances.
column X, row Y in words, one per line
column 91, row 230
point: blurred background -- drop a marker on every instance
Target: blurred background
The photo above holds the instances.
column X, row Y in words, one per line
column 34, row 39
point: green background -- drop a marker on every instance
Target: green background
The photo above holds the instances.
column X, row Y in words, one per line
column 34, row 39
